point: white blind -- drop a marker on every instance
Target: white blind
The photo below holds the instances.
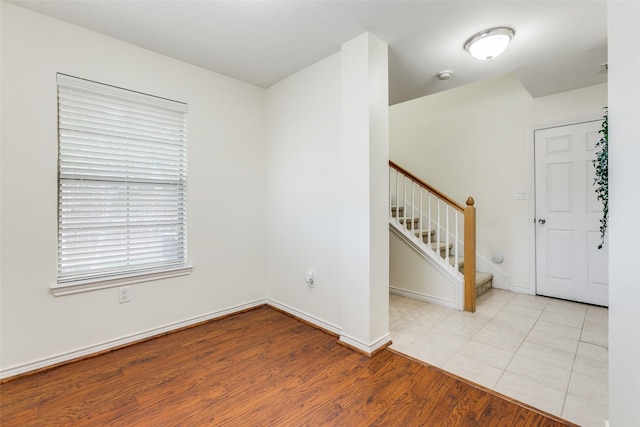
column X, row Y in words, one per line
column 122, row 182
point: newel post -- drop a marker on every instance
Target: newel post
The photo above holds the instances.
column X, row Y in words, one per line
column 470, row 256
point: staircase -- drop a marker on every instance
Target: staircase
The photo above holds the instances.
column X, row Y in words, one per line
column 443, row 232
column 483, row 279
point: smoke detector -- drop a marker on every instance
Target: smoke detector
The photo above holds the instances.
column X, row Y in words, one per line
column 445, row 75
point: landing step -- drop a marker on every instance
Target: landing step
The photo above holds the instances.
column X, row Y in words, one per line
column 484, row 282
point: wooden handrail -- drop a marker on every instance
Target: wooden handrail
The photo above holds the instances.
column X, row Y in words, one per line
column 431, row 189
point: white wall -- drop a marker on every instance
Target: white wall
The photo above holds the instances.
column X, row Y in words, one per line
column 266, row 186
column 624, row 213
column 476, row 141
column 321, row 215
column 303, row 185
column 411, row 275
column 226, row 239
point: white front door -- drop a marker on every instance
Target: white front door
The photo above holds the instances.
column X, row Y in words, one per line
column 569, row 264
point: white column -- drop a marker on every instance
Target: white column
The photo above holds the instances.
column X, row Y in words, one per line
column 624, row 205
column 365, row 154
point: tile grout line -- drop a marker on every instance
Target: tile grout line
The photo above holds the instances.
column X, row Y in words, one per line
column 503, row 303
column 521, row 343
column 575, row 355
column 514, row 353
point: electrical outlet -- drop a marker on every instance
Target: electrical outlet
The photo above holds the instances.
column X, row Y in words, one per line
column 309, row 278
column 124, row 295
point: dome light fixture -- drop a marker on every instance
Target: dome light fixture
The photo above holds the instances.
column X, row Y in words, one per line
column 489, row 43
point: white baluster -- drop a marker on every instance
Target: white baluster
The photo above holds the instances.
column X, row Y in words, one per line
column 397, row 204
column 412, row 206
column 404, row 199
column 457, row 243
column 390, row 195
column 420, row 217
column 429, row 218
column 438, row 227
column 446, row 243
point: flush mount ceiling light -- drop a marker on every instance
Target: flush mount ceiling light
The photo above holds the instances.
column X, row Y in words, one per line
column 489, row 43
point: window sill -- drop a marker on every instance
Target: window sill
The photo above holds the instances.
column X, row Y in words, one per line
column 112, row 282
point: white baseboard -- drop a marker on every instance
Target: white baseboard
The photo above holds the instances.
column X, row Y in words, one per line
column 364, row 347
column 423, row 297
column 93, row 349
column 306, row 317
column 368, row 348
column 520, row 289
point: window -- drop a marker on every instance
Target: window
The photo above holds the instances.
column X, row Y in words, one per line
column 121, row 186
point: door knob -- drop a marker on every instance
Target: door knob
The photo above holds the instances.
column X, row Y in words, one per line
column 542, row 221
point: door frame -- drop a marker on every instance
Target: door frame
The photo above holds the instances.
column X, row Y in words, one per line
column 533, row 280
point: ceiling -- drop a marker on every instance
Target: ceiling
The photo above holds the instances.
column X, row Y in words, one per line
column 559, row 45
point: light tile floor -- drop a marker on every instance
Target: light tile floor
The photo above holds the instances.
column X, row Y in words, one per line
column 551, row 354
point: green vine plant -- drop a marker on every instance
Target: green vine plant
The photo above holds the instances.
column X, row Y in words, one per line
column 601, row 180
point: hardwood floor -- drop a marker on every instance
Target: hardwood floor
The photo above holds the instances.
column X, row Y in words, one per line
column 258, row 368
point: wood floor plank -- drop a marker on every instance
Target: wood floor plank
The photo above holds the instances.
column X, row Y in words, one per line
column 257, row 368
column 418, row 403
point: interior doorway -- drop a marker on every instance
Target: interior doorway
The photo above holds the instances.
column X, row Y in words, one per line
column 569, row 264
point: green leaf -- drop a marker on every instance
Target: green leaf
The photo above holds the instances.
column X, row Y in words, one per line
column 601, row 180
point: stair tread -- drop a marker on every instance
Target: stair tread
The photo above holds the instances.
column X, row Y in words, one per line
column 484, row 282
column 408, row 222
column 425, row 232
column 452, row 260
column 482, row 278
column 440, row 245
column 408, row 218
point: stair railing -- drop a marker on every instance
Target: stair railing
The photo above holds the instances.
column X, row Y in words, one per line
column 437, row 223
